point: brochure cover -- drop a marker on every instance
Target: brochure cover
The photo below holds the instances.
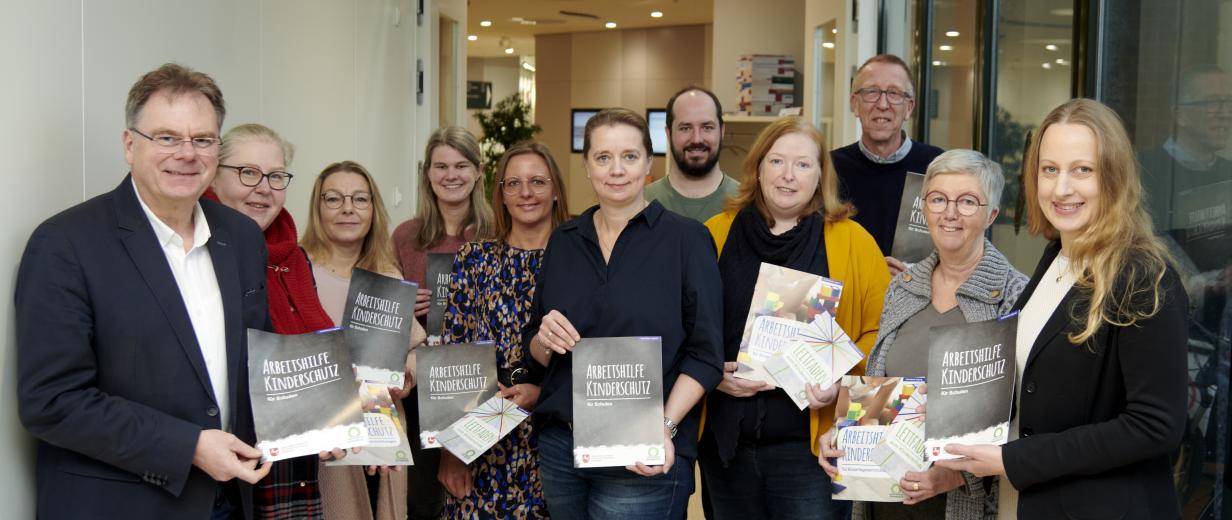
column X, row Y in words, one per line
column 439, row 274
column 617, row 402
column 387, row 441
column 866, row 411
column 784, row 302
column 452, row 380
column 971, row 371
column 902, row 449
column 911, row 239
column 1203, row 221
column 303, row 394
column 819, row 354
column 377, row 319
column 481, row 428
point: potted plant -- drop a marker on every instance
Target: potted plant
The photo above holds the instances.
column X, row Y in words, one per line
column 508, row 123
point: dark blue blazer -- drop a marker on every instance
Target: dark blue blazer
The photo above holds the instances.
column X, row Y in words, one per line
column 1097, row 422
column 111, row 379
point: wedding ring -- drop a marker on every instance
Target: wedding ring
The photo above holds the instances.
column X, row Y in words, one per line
column 916, row 486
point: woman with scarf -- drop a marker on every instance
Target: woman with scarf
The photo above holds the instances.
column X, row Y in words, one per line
column 758, row 450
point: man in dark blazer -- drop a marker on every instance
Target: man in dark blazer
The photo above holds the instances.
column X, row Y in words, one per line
column 131, row 317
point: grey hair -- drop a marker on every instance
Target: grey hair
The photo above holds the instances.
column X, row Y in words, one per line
column 971, row 162
column 255, row 132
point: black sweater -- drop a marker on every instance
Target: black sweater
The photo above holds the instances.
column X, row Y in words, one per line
column 877, row 189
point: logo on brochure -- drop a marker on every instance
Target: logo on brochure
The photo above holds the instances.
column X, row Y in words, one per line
column 273, row 452
column 393, row 378
column 936, row 450
column 353, row 432
column 585, row 458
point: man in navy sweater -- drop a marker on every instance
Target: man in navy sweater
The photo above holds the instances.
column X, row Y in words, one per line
column 871, row 171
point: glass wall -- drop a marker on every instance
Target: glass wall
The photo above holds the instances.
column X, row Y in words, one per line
column 1163, row 66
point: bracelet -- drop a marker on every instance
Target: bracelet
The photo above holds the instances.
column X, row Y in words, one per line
column 670, row 425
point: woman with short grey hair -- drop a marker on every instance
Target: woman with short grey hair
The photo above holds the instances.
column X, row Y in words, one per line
column 965, row 279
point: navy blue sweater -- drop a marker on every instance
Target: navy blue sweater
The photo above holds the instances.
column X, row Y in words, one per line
column 877, row 189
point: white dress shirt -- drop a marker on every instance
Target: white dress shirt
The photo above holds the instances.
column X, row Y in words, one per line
column 194, row 274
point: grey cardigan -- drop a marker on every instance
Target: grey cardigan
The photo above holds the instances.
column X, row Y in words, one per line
column 988, row 293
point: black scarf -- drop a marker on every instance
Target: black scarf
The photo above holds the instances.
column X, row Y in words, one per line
column 749, row 243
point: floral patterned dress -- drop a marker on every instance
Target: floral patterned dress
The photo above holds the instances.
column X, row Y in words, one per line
column 489, row 299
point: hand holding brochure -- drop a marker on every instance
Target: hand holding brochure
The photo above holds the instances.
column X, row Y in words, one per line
column 874, row 420
column 387, row 441
column 377, row 318
column 481, row 428
column 452, row 380
column 304, row 399
column 971, row 382
column 820, row 353
column 618, row 402
column 784, row 302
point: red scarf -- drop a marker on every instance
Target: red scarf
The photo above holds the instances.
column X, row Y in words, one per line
column 293, row 304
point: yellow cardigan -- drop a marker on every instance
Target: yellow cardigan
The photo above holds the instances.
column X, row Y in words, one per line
column 855, row 260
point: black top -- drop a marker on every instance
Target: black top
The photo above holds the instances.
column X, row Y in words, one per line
column 875, row 189
column 662, row 280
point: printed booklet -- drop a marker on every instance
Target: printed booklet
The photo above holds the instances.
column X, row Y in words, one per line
column 971, row 383
column 452, row 380
column 439, row 274
column 819, row 354
column 911, row 239
column 377, row 318
column 387, row 441
column 617, row 402
column 874, row 419
column 481, row 428
column 304, row 399
column 784, row 302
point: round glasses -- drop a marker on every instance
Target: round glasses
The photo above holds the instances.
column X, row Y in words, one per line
column 967, row 205
column 251, row 177
column 203, row 145
column 538, row 185
column 872, row 95
column 335, row 200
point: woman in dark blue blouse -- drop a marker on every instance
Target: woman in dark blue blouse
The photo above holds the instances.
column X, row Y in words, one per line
column 624, row 268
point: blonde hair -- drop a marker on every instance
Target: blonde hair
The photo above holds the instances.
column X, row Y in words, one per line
column 1117, row 258
column 825, row 198
column 377, row 252
column 560, row 206
column 432, row 222
column 255, row 132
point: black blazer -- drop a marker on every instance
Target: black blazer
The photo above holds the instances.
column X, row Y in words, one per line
column 1098, row 422
column 111, row 379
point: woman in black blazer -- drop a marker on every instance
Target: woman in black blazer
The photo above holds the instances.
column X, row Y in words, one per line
column 1101, row 338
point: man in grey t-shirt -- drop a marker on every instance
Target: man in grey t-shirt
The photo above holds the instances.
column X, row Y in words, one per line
column 694, row 185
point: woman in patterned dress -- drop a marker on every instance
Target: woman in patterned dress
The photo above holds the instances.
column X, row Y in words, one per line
column 489, row 299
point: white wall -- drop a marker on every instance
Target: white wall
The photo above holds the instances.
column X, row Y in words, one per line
column 335, row 77
column 744, row 27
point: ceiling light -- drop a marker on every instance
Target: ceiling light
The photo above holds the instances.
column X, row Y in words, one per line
column 610, row 25
column 472, row 37
column 946, row 47
column 828, row 45
column 952, row 34
column 528, row 66
column 936, row 63
column 656, row 14
column 834, row 30
column 1062, row 62
column 485, row 23
column 1050, row 47
column 1047, row 65
column 508, row 50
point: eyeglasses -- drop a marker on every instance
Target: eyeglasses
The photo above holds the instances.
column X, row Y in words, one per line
column 204, row 145
column 251, row 177
column 871, row 95
column 967, row 205
column 334, row 200
column 538, row 185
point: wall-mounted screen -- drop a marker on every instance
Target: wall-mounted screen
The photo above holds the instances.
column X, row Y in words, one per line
column 578, row 122
column 656, row 119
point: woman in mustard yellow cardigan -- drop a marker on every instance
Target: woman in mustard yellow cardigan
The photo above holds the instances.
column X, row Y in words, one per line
column 758, row 451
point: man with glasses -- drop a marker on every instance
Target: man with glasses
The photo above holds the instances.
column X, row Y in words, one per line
column 694, row 186
column 872, row 170
column 132, row 310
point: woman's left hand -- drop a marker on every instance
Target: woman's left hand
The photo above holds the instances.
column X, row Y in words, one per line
column 525, row 395
column 818, row 398
column 919, row 486
column 669, row 458
column 981, row 460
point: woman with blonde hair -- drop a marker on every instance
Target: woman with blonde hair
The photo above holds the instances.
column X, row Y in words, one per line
column 758, row 449
column 348, row 227
column 1101, row 346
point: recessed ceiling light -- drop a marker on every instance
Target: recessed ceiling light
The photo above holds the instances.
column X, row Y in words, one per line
column 834, row 30
column 828, row 45
column 952, row 34
column 1050, row 47
column 610, row 25
column 1061, row 62
column 936, row 63
column 656, row 14
column 485, row 23
column 472, row 37
column 946, row 48
column 1046, row 65
column 508, row 50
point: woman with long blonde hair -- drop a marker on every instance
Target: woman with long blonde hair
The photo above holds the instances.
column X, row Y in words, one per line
column 1101, row 345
